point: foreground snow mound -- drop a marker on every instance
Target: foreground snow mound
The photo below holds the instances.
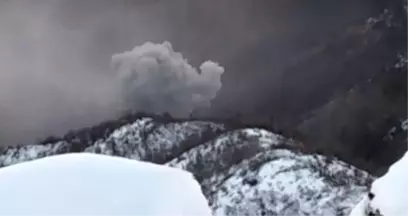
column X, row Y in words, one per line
column 388, row 195
column 90, row 184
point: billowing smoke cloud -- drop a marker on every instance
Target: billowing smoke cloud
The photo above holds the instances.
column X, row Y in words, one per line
column 156, row 79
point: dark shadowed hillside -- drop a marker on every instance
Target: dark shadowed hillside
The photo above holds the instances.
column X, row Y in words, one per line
column 355, row 122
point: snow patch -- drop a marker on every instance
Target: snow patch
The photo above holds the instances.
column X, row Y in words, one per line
column 402, row 61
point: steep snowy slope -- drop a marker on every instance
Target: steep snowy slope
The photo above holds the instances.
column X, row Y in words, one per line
column 273, row 178
column 91, row 184
column 241, row 171
column 388, row 194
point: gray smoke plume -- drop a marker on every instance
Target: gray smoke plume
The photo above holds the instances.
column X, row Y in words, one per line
column 156, row 79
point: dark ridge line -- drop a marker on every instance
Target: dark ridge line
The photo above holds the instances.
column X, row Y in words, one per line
column 81, row 138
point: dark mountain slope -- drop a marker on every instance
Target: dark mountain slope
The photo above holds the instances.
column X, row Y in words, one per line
column 355, row 124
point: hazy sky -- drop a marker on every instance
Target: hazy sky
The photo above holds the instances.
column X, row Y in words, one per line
column 55, row 54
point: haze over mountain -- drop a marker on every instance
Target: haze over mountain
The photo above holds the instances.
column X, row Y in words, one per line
column 55, row 72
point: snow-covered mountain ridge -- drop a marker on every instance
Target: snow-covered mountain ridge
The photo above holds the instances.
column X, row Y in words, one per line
column 243, row 171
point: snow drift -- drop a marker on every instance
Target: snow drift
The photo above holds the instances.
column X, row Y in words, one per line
column 156, row 79
column 388, row 194
column 90, row 184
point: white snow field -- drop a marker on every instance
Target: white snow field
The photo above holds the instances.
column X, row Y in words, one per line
column 91, row 184
column 389, row 194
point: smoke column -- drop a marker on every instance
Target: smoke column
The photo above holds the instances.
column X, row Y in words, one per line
column 156, row 79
